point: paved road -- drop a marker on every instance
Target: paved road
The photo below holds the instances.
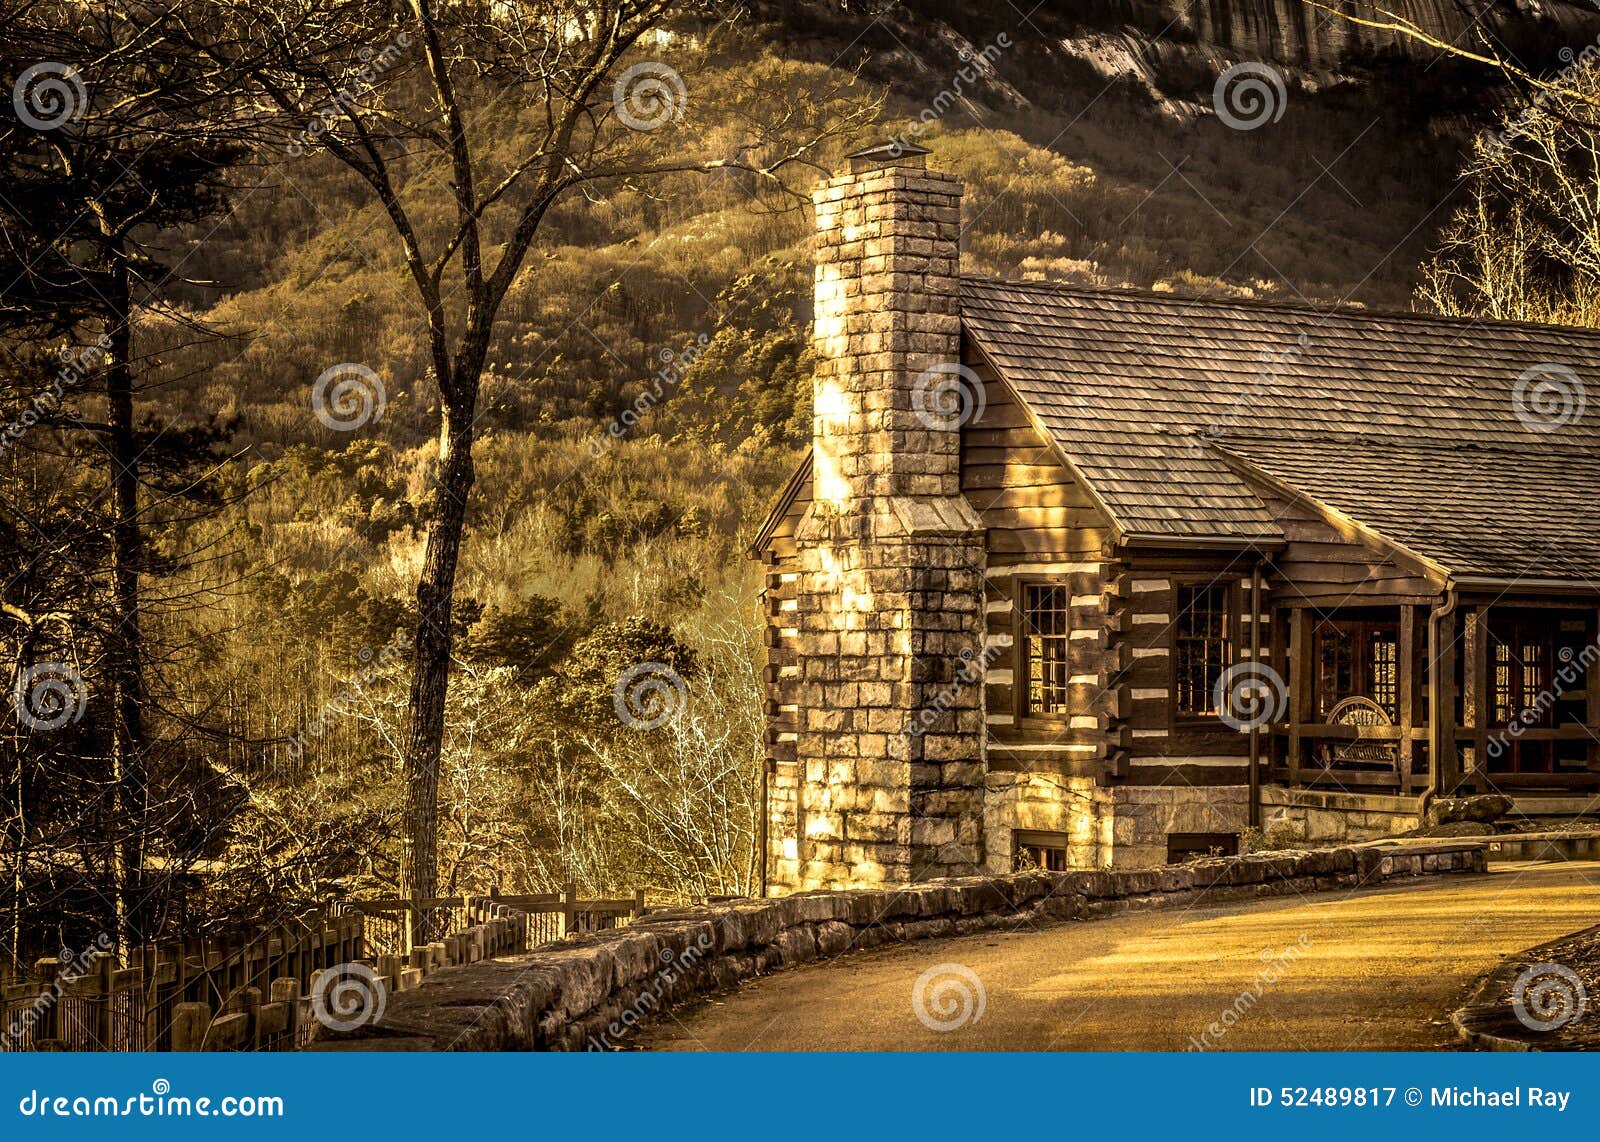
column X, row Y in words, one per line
column 1375, row 970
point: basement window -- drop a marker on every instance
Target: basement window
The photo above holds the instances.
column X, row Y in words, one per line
column 1033, row 849
column 1045, row 634
column 1193, row 846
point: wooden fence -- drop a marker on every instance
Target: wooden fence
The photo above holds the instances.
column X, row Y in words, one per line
column 262, row 993
column 393, row 923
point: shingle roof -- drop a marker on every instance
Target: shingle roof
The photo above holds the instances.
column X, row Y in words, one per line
column 1466, row 442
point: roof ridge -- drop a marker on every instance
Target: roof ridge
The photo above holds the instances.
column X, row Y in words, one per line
column 1330, row 309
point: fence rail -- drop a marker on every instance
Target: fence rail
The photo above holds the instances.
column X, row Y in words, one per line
column 261, row 993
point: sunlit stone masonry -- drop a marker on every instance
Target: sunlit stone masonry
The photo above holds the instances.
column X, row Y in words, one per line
column 889, row 587
column 1079, row 578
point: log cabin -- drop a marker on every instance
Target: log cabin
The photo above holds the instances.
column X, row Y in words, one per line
column 1103, row 578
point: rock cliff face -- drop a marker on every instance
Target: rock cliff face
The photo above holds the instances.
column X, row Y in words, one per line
column 1298, row 33
column 1169, row 47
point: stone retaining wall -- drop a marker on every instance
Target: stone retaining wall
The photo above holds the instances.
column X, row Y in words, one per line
column 592, row 993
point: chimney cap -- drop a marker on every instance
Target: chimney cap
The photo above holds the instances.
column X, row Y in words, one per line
column 890, row 153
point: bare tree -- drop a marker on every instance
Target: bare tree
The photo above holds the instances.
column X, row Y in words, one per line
column 1526, row 244
column 405, row 94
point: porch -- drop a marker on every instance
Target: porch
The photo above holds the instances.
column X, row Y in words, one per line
column 1486, row 695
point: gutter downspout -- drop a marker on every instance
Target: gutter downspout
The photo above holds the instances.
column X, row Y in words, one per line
column 1436, row 726
column 1254, row 819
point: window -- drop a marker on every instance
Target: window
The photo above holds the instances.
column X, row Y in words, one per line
column 1038, row 850
column 1200, row 646
column 1358, row 658
column 1044, row 648
column 1521, row 682
column 1193, row 846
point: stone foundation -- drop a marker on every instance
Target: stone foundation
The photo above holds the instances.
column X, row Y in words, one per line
column 1307, row 816
column 1045, row 802
column 1121, row 826
column 1143, row 815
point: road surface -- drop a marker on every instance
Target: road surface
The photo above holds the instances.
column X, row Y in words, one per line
column 1372, row 970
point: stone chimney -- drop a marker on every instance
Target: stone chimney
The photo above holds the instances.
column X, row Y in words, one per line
column 890, row 621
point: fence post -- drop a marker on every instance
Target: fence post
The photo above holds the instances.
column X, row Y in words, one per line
column 190, row 1022
column 638, row 904
column 286, row 990
column 105, row 967
column 49, row 1025
column 569, row 909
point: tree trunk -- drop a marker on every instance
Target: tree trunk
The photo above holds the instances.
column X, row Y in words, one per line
column 419, row 866
column 125, row 667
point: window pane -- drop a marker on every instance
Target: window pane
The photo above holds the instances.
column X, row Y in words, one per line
column 1384, row 681
column 1045, row 626
column 1200, row 643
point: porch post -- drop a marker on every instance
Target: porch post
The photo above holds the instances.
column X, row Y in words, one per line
column 1474, row 702
column 1442, row 702
column 1406, row 662
column 1299, row 685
